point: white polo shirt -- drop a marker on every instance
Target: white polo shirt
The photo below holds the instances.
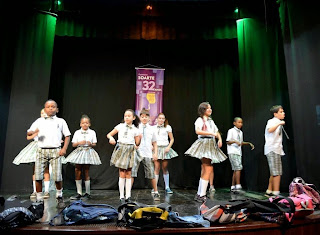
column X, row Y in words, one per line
column 126, row 133
column 234, row 134
column 211, row 126
column 148, row 137
column 51, row 130
column 162, row 133
column 87, row 135
column 273, row 140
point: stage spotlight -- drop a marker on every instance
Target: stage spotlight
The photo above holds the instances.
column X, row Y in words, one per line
column 149, row 7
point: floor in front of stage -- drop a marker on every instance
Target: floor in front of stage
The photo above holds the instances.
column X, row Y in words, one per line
column 182, row 201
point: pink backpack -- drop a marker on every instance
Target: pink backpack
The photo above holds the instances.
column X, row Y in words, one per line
column 299, row 187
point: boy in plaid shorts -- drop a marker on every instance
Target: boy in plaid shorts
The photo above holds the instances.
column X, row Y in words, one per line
column 273, row 149
column 50, row 130
column 147, row 152
column 234, row 143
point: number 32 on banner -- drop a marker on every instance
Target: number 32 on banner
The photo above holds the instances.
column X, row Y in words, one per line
column 148, row 85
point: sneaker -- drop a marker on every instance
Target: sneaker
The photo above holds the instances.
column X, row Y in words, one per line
column 86, row 196
column 33, row 195
column 169, row 191
column 76, row 197
column 268, row 194
column 60, row 203
column 212, row 189
column 122, row 201
column 156, row 196
column 128, row 199
column 232, row 190
column 152, row 191
column 202, row 199
column 196, row 197
column 46, row 195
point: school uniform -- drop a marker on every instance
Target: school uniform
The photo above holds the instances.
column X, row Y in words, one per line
column 206, row 146
column 51, row 130
column 124, row 152
column 84, row 154
column 144, row 152
column 162, row 133
column 273, row 148
column 234, row 150
column 27, row 154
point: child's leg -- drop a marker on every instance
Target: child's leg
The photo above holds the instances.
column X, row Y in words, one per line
column 46, row 179
column 77, row 170
column 157, row 169
column 122, row 180
column 207, row 169
column 276, row 183
column 34, row 180
column 270, row 185
column 87, row 178
column 211, row 177
column 165, row 173
column 237, row 177
column 128, row 183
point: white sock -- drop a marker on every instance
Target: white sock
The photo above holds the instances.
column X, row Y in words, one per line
column 233, row 187
column 199, row 187
column 46, row 186
column 157, row 178
column 34, row 186
column 268, row 191
column 121, row 186
column 39, row 196
column 79, row 186
column 204, row 185
column 166, row 180
column 87, row 184
column 238, row 186
column 59, row 192
column 276, row 193
column 128, row 188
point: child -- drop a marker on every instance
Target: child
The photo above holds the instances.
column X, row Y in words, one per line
column 235, row 141
column 205, row 148
column 273, row 149
column 28, row 155
column 147, row 152
column 124, row 152
column 165, row 152
column 50, row 130
column 84, row 155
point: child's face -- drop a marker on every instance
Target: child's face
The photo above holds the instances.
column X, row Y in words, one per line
column 43, row 113
column 144, row 118
column 160, row 120
column 238, row 124
column 280, row 114
column 50, row 108
column 208, row 111
column 85, row 123
column 128, row 117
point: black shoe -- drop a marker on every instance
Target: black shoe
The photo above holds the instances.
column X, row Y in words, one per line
column 122, row 201
column 86, row 196
column 202, row 199
column 156, row 197
column 128, row 199
column 60, row 203
column 76, row 197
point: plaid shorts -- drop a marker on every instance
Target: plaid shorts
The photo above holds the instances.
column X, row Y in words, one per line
column 45, row 157
column 236, row 162
column 275, row 164
column 148, row 165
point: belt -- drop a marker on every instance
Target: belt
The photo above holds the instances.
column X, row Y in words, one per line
column 206, row 137
column 51, row 148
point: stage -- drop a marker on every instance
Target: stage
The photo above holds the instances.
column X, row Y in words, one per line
column 181, row 202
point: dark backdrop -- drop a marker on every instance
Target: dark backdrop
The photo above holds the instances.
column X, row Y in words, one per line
column 97, row 77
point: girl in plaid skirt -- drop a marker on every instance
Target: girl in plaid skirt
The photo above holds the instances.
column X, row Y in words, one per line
column 84, row 155
column 124, row 151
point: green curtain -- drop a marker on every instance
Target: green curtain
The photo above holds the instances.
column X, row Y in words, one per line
column 29, row 89
column 262, row 85
column 301, row 32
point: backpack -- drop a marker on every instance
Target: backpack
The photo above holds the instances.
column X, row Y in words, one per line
column 298, row 187
column 143, row 217
column 79, row 212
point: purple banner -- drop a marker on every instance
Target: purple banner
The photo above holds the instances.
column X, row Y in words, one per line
column 149, row 89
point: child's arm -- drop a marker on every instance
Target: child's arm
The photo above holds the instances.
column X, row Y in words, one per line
column 273, row 128
column 32, row 134
column 170, row 143
column 219, row 139
column 83, row 142
column 248, row 143
column 110, row 136
column 155, row 150
column 233, row 142
column 137, row 140
column 63, row 151
column 201, row 132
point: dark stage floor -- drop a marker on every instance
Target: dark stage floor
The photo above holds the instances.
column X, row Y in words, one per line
column 181, row 202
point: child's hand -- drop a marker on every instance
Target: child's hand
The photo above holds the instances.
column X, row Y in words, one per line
column 112, row 141
column 282, row 123
column 238, row 143
column 167, row 150
column 83, row 142
column 62, row 152
column 219, row 143
column 252, row 146
column 36, row 131
column 88, row 143
column 155, row 157
column 136, row 147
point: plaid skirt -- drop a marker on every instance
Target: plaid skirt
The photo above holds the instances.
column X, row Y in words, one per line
column 164, row 156
column 27, row 154
column 83, row 155
column 123, row 156
column 206, row 148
